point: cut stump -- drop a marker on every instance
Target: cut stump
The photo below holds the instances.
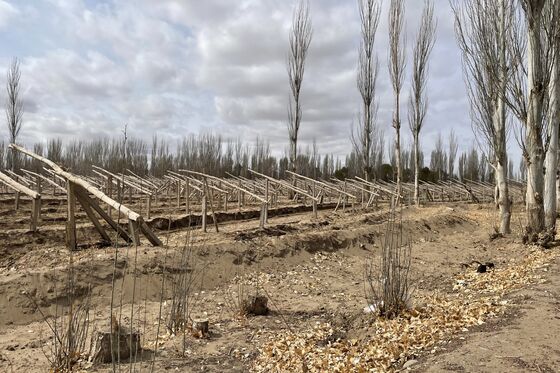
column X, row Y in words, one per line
column 258, row 305
column 200, row 327
column 122, row 346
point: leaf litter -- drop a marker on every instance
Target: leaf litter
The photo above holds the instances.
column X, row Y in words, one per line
column 391, row 342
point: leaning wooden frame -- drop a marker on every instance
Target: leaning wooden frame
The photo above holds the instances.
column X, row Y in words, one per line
column 78, row 189
column 35, row 198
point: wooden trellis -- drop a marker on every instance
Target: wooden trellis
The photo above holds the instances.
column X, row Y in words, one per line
column 78, row 189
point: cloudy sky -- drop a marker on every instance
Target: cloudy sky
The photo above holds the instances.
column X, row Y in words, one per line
column 175, row 67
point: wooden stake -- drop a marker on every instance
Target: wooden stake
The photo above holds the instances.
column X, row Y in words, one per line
column 178, row 193
column 204, row 212
column 35, row 214
column 187, row 196
column 211, row 205
column 71, row 219
column 133, row 231
column 265, row 217
column 109, row 192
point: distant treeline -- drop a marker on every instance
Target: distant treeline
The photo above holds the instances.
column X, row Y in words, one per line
column 212, row 154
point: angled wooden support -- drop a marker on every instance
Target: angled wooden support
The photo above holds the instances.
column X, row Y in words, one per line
column 113, row 224
column 86, row 205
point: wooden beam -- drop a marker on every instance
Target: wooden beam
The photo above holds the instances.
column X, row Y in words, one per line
column 285, row 185
column 322, row 184
column 11, row 183
column 45, row 179
column 237, row 187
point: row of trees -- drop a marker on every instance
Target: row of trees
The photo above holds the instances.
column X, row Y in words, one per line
column 511, row 66
column 211, row 154
column 510, row 52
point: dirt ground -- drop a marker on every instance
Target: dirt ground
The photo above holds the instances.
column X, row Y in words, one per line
column 312, row 271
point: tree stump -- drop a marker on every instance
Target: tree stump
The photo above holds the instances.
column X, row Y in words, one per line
column 258, row 305
column 125, row 344
column 200, row 327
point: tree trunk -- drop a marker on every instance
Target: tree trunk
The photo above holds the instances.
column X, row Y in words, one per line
column 398, row 150
column 416, row 170
column 503, row 197
column 367, row 141
column 535, row 149
column 500, row 147
column 293, row 154
column 551, row 160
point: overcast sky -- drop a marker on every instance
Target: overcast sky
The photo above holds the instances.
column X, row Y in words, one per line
column 175, row 67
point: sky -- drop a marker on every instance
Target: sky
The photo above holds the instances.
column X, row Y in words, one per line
column 175, row 67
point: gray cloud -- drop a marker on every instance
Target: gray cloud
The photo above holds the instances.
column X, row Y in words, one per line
column 175, row 67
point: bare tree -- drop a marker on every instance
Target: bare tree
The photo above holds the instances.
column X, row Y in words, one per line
column 551, row 157
column 418, row 106
column 530, row 49
column 438, row 158
column 14, row 108
column 366, row 81
column 300, row 39
column 480, row 28
column 397, row 64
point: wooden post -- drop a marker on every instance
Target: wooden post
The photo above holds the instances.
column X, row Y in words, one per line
column 261, row 218
column 265, row 218
column 133, row 231
column 35, row 213
column 71, row 219
column 119, row 191
column 239, row 197
column 109, row 192
column 149, row 206
column 211, row 204
column 314, row 202
column 178, row 193
column 187, row 196
column 219, row 197
column 204, row 212
column 17, row 200
column 345, row 198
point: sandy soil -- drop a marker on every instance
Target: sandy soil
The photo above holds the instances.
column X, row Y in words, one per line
column 311, row 269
